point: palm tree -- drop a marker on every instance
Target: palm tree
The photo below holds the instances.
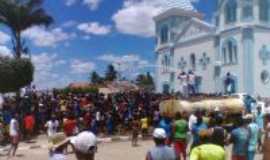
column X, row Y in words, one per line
column 20, row 15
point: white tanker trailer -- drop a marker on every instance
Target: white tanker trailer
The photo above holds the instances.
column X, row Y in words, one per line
column 229, row 105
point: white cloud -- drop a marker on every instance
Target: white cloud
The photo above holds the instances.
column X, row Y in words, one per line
column 70, row 2
column 70, row 23
column 51, row 70
column 136, row 16
column 81, row 67
column 4, row 38
column 46, row 75
column 94, row 28
column 128, row 64
column 5, row 52
column 43, row 37
column 92, row 4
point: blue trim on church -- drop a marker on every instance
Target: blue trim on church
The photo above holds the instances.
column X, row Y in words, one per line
column 249, row 64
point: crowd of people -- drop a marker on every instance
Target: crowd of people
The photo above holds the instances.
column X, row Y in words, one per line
column 51, row 112
column 209, row 136
column 200, row 135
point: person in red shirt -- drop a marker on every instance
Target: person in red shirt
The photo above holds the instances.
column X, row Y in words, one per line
column 87, row 120
column 70, row 126
column 29, row 124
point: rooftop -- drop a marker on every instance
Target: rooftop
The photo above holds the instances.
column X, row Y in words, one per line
column 182, row 4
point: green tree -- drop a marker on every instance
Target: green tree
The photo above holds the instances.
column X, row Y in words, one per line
column 19, row 15
column 15, row 74
column 149, row 78
column 145, row 81
column 95, row 78
column 111, row 73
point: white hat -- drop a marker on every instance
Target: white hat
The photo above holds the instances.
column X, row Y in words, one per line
column 159, row 133
column 83, row 141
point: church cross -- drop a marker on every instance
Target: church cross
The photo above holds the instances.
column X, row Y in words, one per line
column 204, row 61
column 182, row 63
column 265, row 54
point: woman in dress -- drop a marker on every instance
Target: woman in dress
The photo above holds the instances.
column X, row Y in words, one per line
column 266, row 145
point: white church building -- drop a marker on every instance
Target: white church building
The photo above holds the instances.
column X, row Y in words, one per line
column 236, row 43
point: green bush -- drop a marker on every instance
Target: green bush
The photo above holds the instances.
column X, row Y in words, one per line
column 68, row 90
column 15, row 74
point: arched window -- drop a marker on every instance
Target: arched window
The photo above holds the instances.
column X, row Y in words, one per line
column 193, row 61
column 247, row 10
column 165, row 63
column 164, row 34
column 224, row 55
column 230, row 49
column 229, row 52
column 231, row 11
column 264, row 10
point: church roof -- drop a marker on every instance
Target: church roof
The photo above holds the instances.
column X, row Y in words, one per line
column 182, row 4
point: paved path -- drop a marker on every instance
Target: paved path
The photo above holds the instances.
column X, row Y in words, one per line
column 107, row 150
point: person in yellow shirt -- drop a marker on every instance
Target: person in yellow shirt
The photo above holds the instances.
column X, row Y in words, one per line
column 207, row 151
column 144, row 126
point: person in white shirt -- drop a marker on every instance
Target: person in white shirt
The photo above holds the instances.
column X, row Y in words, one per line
column 14, row 134
column 191, row 122
column 191, row 83
column 52, row 126
column 184, row 83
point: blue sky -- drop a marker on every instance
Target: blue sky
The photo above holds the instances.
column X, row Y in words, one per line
column 88, row 35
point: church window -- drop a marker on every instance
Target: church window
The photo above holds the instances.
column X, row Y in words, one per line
column 230, row 48
column 264, row 6
column 231, row 11
column 217, row 20
column 229, row 52
column 265, row 77
column 172, row 77
column 235, row 55
column 193, row 61
column 165, row 63
column 224, row 55
column 247, row 11
column 164, row 34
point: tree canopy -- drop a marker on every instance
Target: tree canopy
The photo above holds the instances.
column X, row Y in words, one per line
column 95, row 78
column 15, row 74
column 19, row 15
column 111, row 73
column 145, row 81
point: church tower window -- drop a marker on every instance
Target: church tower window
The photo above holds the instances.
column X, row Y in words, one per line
column 247, row 10
column 264, row 6
column 165, row 63
column 224, row 55
column 164, row 34
column 231, row 11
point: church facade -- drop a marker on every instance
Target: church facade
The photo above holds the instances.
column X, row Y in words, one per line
column 235, row 44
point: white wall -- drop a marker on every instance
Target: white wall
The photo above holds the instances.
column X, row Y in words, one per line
column 261, row 38
column 198, row 48
column 237, row 69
